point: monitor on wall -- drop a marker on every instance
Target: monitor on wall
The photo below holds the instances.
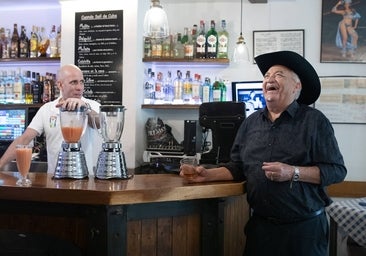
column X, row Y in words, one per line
column 12, row 123
column 249, row 92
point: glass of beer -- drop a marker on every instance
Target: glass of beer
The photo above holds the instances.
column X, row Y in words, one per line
column 188, row 164
column 23, row 160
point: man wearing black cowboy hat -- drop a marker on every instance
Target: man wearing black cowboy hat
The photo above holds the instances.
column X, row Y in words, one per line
column 288, row 154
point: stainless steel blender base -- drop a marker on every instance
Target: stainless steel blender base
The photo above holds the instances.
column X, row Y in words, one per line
column 71, row 165
column 111, row 165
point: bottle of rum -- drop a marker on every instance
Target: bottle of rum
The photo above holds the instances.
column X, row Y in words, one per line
column 58, row 38
column 23, row 43
column 53, row 42
column 201, row 41
column 28, row 88
column 5, row 43
column 33, row 44
column 211, row 42
column 44, row 43
column 14, row 53
column 223, row 41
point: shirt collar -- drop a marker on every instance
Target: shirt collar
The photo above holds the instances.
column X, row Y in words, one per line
column 291, row 109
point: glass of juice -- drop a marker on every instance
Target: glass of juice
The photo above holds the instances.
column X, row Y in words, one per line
column 23, row 160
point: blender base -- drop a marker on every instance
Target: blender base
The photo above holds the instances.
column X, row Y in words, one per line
column 111, row 165
column 71, row 165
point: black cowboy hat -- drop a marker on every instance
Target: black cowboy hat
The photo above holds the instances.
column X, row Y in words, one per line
column 309, row 78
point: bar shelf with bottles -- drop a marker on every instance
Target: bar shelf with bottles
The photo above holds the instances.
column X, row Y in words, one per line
column 197, row 61
column 22, row 61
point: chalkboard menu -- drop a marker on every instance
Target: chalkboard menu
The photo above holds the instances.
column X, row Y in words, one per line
column 98, row 53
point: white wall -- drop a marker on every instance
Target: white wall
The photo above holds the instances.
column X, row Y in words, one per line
column 276, row 14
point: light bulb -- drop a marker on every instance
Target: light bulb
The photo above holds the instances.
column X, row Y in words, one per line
column 156, row 22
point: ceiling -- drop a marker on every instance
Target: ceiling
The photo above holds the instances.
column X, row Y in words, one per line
column 24, row 4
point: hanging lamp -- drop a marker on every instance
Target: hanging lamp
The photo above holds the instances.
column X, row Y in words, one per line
column 241, row 53
column 156, row 21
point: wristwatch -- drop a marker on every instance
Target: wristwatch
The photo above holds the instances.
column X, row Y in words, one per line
column 296, row 176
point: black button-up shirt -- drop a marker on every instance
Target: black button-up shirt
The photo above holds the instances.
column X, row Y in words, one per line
column 301, row 136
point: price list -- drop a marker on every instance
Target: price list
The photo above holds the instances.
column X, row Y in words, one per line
column 98, row 53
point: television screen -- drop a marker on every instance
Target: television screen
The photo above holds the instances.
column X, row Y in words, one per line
column 12, row 123
column 251, row 93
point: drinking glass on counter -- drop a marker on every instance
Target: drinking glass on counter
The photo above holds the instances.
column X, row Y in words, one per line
column 23, row 160
column 189, row 166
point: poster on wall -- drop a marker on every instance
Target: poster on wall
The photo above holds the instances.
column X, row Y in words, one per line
column 343, row 32
column 343, row 99
column 98, row 53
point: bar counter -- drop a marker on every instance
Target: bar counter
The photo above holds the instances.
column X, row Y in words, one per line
column 157, row 214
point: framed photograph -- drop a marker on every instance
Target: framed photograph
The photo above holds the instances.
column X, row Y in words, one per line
column 343, row 99
column 343, row 33
column 249, row 92
column 265, row 41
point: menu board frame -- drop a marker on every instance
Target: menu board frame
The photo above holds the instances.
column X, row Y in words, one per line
column 99, row 54
column 265, row 41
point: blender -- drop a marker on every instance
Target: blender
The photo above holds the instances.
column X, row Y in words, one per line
column 71, row 161
column 111, row 162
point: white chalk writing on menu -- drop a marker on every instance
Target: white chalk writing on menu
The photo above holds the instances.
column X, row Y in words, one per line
column 98, row 53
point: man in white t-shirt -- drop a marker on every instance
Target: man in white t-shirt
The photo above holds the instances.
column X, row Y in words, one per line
column 70, row 81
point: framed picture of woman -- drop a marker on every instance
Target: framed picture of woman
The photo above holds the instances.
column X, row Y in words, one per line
column 343, row 32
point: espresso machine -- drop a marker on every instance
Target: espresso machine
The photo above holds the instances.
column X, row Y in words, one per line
column 71, row 161
column 111, row 162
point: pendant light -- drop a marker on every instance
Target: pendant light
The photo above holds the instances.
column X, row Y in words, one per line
column 156, row 21
column 241, row 53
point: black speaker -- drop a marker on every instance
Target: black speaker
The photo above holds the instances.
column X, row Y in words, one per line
column 192, row 137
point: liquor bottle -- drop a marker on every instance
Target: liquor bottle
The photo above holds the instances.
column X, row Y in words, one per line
column 53, row 42
column 194, row 39
column 2, row 88
column 35, row 88
column 147, row 47
column 28, row 88
column 58, row 39
column 187, row 88
column 168, row 88
column 23, row 43
column 156, row 48
column 178, row 88
column 196, row 88
column 206, row 90
column 211, row 42
column 223, row 90
column 223, row 41
column 178, row 47
column 18, row 87
column 159, row 93
column 149, row 88
column 46, row 95
column 201, row 42
column 166, row 51
column 33, row 45
column 216, row 91
column 44, row 43
column 188, row 44
column 9, row 95
column 5, row 43
column 14, row 52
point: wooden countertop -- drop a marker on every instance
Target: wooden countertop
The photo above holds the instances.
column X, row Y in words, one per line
column 139, row 189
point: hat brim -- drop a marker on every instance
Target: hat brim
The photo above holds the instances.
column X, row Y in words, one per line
column 308, row 76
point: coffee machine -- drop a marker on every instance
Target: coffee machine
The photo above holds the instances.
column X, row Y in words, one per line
column 71, row 161
column 223, row 119
column 111, row 162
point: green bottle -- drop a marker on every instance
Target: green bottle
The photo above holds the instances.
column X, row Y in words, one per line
column 223, row 41
column 211, row 42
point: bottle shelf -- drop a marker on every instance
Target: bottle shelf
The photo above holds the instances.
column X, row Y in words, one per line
column 15, row 105
column 170, row 106
column 187, row 61
column 30, row 60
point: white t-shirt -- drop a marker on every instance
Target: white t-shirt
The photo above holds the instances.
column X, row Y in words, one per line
column 46, row 122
